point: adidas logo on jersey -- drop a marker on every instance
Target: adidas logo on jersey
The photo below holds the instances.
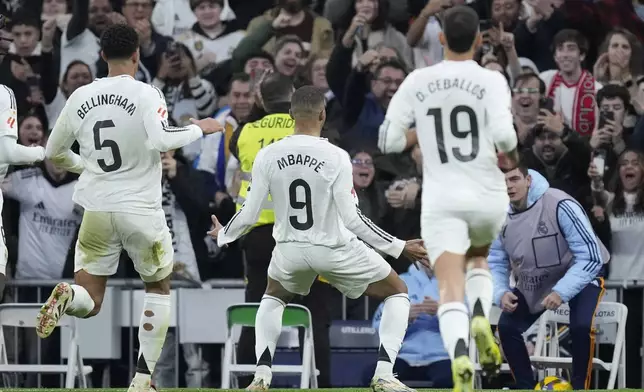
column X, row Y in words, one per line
column 40, row 206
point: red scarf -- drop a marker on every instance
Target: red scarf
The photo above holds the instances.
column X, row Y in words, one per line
column 583, row 108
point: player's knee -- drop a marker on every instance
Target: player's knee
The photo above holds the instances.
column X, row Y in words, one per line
column 580, row 331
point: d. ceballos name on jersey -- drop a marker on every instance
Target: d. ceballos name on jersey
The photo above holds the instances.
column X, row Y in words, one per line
column 106, row 99
column 465, row 85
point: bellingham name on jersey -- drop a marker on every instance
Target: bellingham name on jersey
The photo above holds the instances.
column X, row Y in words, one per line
column 106, row 99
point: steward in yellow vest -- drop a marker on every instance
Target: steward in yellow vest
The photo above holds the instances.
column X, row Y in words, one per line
column 253, row 137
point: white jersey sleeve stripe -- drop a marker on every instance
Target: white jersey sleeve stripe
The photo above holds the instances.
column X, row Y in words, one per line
column 12, row 98
column 381, row 233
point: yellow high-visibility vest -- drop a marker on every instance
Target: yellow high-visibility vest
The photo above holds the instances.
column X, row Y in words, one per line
column 253, row 137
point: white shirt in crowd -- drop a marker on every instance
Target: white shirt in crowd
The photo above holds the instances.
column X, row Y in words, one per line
column 121, row 125
column 565, row 96
column 311, row 185
column 429, row 51
column 47, row 224
column 84, row 47
column 462, row 113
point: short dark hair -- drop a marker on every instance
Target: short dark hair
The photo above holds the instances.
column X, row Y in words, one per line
column 524, row 78
column 73, row 64
column 119, row 42
column 238, row 77
column 395, row 64
column 260, row 54
column 570, row 35
column 24, row 17
column 276, row 88
column 460, row 27
column 307, row 103
column 611, row 91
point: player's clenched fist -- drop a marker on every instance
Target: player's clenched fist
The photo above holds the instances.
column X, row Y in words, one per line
column 208, row 125
column 552, row 301
column 509, row 302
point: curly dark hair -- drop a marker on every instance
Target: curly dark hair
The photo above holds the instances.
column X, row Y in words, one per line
column 119, row 42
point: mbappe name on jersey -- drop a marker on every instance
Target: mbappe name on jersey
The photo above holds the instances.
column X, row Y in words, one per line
column 439, row 85
column 106, row 99
column 300, row 159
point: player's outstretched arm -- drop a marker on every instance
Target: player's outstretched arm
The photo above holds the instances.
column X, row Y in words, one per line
column 161, row 136
column 500, row 120
column 393, row 136
column 59, row 143
column 583, row 243
column 10, row 151
column 353, row 219
column 247, row 215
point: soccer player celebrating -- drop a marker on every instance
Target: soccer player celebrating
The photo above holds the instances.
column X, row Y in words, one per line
column 122, row 126
column 462, row 114
column 550, row 245
column 317, row 224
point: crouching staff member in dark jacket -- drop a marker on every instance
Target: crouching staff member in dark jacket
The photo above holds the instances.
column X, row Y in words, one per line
column 548, row 242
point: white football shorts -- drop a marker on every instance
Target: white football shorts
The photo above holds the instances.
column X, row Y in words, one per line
column 456, row 230
column 349, row 268
column 146, row 238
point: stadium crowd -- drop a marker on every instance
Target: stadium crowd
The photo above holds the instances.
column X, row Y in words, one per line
column 575, row 68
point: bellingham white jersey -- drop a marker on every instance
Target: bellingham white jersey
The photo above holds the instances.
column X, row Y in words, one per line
column 121, row 126
column 462, row 114
column 311, row 185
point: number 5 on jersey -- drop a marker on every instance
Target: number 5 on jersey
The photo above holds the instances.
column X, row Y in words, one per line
column 107, row 143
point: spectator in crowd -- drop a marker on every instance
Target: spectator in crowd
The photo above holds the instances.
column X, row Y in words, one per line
column 535, row 34
column 572, row 88
column 289, row 55
column 288, row 17
column 527, row 96
column 137, row 14
column 255, row 63
column 80, row 40
column 620, row 60
column 555, row 154
column 422, row 356
column 76, row 74
column 211, row 40
column 186, row 93
column 366, row 27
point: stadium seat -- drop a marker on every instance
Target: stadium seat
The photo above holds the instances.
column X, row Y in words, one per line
column 354, row 351
column 24, row 316
column 606, row 313
column 243, row 315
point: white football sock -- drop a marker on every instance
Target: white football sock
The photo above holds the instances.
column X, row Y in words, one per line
column 153, row 327
column 82, row 303
column 393, row 327
column 454, row 323
column 268, row 327
column 479, row 287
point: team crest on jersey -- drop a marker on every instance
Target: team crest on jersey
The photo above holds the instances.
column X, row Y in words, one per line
column 199, row 46
column 11, row 122
column 542, row 228
column 162, row 111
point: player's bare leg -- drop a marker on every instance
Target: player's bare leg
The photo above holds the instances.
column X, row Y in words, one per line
column 82, row 299
column 268, row 327
column 393, row 327
column 153, row 327
column 479, row 292
column 454, row 318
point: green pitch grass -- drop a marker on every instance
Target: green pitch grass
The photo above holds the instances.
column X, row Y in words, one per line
column 272, row 390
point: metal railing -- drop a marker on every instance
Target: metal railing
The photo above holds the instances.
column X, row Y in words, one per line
column 132, row 285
